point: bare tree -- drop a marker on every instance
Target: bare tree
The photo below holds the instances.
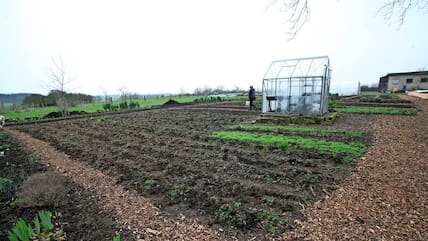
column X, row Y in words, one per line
column 401, row 8
column 299, row 11
column 59, row 79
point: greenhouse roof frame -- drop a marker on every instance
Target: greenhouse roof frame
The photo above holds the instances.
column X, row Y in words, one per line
column 297, row 62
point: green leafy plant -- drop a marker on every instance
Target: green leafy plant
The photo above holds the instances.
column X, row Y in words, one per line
column 5, row 146
column 178, row 191
column 228, row 212
column 271, row 220
column 15, row 203
column 149, row 183
column 43, row 229
column 269, row 200
column 5, row 184
column 116, row 237
column 234, row 214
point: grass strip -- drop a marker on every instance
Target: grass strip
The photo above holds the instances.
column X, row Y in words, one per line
column 37, row 113
column 329, row 147
column 295, row 129
column 377, row 110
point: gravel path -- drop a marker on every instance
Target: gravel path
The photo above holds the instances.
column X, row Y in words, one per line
column 386, row 198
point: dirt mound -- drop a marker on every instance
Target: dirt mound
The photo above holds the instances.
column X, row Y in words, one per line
column 171, row 102
column 57, row 114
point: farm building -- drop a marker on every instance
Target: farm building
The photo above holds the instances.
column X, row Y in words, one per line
column 393, row 82
column 297, row 86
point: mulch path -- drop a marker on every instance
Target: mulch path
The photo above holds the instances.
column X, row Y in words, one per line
column 386, row 198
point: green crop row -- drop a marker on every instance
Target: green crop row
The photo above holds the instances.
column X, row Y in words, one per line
column 282, row 141
column 377, row 110
column 295, row 129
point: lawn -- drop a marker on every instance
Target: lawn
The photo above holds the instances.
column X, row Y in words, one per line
column 37, row 113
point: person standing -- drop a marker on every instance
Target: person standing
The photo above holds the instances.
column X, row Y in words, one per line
column 252, row 97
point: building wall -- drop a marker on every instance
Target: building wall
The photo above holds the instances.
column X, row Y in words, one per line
column 396, row 83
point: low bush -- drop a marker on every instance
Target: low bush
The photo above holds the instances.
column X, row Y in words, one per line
column 43, row 190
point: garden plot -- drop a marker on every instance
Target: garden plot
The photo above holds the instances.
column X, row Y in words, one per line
column 245, row 179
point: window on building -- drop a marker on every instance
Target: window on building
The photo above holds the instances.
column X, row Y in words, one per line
column 424, row 80
column 409, row 81
column 395, row 82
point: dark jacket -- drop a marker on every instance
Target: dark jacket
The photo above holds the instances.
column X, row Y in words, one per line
column 252, row 94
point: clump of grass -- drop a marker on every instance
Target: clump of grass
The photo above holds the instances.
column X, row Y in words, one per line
column 330, row 147
column 44, row 189
column 296, row 129
column 377, row 110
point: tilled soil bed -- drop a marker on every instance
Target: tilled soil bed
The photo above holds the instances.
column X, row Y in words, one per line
column 241, row 190
column 80, row 217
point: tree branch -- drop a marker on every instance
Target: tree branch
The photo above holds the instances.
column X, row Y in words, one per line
column 401, row 8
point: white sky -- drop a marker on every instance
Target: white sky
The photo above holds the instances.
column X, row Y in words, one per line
column 153, row 46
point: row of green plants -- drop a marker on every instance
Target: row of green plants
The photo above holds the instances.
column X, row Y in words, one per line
column 283, row 141
column 206, row 99
column 377, row 110
column 42, row 229
column 121, row 106
column 295, row 129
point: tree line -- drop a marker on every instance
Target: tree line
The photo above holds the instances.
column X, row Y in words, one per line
column 73, row 99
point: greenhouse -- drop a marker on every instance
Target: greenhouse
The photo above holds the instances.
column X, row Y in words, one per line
column 297, row 86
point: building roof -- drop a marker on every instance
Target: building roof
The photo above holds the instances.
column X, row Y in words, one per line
column 407, row 73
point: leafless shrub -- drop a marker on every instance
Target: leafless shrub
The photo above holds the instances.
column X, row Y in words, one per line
column 44, row 189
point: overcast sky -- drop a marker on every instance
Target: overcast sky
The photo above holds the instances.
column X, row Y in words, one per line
column 172, row 46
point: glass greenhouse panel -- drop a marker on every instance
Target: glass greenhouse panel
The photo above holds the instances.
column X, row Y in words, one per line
column 297, row 86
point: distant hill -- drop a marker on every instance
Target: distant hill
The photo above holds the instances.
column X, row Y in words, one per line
column 13, row 98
